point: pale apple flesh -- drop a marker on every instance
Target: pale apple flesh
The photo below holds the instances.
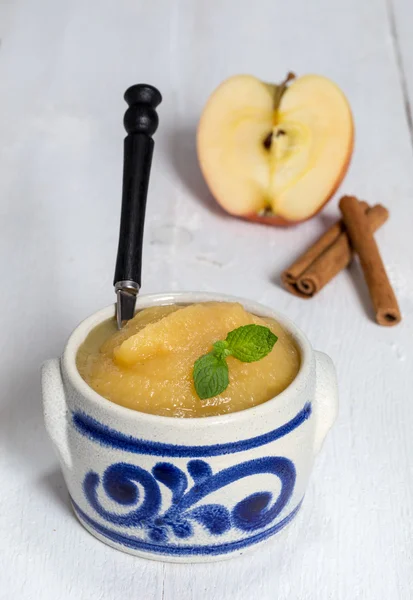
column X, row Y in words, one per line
column 279, row 165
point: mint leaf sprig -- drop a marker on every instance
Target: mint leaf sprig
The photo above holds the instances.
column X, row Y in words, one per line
column 247, row 343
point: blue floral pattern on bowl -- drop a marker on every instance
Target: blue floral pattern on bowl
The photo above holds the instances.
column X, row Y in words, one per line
column 168, row 503
column 256, row 511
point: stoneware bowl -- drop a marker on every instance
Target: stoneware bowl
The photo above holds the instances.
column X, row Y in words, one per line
column 187, row 490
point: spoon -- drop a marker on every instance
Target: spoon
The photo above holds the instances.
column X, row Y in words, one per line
column 140, row 122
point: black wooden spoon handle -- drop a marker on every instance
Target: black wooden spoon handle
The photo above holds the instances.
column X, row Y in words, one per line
column 141, row 122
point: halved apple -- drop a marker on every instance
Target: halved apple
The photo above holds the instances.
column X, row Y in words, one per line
column 272, row 153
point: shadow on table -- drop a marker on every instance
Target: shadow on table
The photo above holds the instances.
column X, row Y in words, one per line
column 183, row 157
column 25, row 444
column 53, row 483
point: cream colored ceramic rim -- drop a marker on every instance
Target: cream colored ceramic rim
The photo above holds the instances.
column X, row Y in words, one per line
column 79, row 335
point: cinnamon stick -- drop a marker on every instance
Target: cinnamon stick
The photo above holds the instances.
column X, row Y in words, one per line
column 329, row 255
column 362, row 240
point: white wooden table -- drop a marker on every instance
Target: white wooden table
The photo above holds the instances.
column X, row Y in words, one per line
column 63, row 69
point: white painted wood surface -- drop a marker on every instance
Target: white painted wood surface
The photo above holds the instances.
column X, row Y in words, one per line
column 63, row 69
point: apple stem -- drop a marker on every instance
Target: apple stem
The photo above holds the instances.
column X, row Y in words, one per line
column 280, row 89
column 290, row 76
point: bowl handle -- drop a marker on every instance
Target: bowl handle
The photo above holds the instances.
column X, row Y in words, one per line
column 325, row 405
column 55, row 409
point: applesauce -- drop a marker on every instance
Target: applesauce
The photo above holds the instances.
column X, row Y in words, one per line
column 148, row 365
